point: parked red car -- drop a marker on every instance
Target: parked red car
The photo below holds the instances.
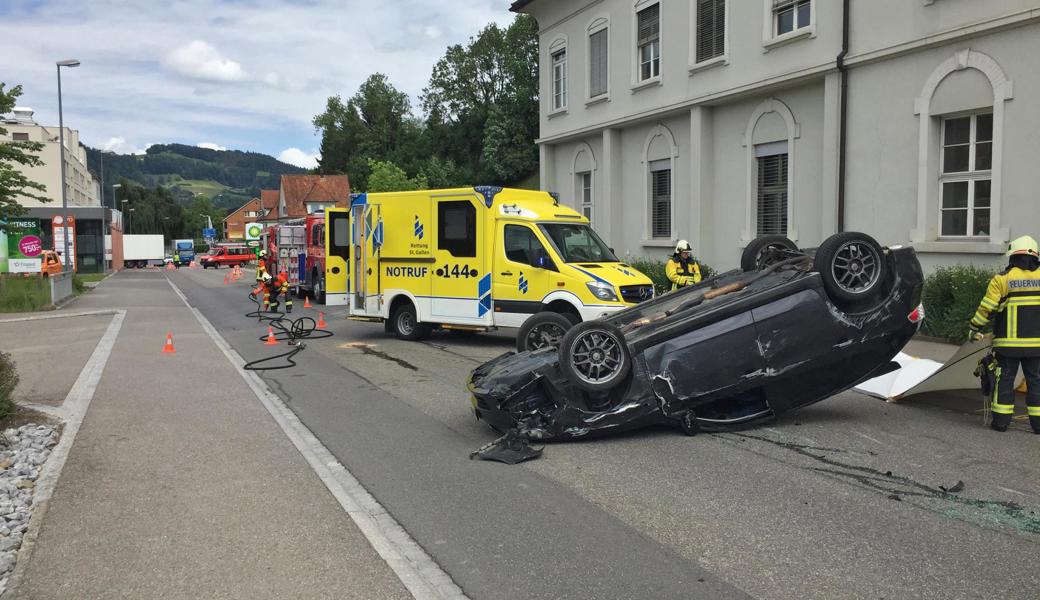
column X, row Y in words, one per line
column 228, row 256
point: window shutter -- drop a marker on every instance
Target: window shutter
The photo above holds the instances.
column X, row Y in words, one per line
column 598, row 63
column 661, row 203
column 711, row 29
column 649, row 24
column 772, row 195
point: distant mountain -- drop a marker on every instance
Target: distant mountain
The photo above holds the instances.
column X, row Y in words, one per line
column 229, row 177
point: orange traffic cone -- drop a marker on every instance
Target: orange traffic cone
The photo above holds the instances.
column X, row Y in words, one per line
column 307, row 302
column 271, row 341
column 193, row 265
column 321, row 321
column 170, row 266
column 168, row 348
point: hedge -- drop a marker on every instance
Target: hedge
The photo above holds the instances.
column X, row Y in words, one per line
column 951, row 296
column 654, row 269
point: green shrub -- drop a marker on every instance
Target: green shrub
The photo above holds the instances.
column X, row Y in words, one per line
column 654, row 269
column 77, row 284
column 951, row 296
column 24, row 294
column 8, row 381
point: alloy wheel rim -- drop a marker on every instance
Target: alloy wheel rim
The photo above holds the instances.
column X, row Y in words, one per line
column 856, row 267
column 545, row 335
column 597, row 357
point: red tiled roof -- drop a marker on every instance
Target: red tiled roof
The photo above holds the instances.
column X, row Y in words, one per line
column 247, row 205
column 300, row 189
column 269, row 200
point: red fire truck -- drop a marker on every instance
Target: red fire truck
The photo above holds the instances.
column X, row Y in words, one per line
column 297, row 246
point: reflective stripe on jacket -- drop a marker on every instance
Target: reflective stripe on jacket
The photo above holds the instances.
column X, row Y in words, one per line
column 1012, row 301
column 682, row 273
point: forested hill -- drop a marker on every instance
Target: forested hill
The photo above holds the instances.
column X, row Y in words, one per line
column 229, row 177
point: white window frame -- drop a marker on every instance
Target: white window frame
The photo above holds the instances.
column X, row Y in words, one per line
column 655, row 79
column 970, row 176
column 722, row 59
column 558, row 46
column 598, row 24
column 585, row 182
column 770, row 37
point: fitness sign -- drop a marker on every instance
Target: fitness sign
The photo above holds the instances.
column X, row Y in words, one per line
column 20, row 246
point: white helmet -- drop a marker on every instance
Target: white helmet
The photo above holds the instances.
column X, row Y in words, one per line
column 683, row 246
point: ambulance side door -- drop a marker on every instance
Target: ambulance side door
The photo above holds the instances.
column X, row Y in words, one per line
column 461, row 288
column 519, row 284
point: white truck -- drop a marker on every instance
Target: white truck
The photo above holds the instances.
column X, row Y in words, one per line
column 140, row 250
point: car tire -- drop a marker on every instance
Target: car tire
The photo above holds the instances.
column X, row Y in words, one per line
column 406, row 323
column 852, row 266
column 764, row 251
column 542, row 330
column 594, row 356
column 318, row 293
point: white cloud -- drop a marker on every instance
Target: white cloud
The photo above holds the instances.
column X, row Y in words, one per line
column 295, row 156
column 210, row 146
column 119, row 145
column 254, row 77
column 200, row 60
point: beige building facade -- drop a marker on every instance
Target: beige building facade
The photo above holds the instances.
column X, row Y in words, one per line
column 718, row 121
column 81, row 187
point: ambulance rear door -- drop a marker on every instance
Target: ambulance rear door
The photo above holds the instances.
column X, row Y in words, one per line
column 337, row 249
column 461, row 288
column 366, row 243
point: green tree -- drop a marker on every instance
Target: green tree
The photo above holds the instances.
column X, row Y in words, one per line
column 491, row 82
column 372, row 124
column 14, row 184
column 388, row 177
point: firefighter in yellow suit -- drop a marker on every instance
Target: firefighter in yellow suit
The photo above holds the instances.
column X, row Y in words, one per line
column 1013, row 302
column 681, row 269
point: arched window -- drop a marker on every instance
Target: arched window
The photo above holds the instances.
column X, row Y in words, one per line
column 770, row 154
column 659, row 153
column 960, row 143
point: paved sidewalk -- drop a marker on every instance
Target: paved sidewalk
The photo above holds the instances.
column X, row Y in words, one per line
column 181, row 485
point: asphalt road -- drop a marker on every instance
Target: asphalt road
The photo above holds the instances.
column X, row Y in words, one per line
column 844, row 499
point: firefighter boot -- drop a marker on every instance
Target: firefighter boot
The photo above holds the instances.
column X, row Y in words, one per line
column 288, row 304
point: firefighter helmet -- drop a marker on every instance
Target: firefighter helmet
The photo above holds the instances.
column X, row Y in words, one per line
column 683, row 246
column 1023, row 245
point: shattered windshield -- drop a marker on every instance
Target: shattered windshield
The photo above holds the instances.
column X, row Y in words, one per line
column 577, row 243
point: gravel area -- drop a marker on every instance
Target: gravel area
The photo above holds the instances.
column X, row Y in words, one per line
column 22, row 454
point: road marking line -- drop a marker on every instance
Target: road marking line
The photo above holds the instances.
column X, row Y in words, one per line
column 74, row 408
column 419, row 573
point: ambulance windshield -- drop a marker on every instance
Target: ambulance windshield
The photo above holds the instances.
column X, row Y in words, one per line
column 577, row 243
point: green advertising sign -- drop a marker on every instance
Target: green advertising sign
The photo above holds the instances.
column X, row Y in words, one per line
column 20, row 246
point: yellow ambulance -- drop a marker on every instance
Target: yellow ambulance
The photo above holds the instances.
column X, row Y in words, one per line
column 479, row 258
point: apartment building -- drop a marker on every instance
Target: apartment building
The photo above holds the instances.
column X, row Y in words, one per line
column 718, row 121
column 81, row 187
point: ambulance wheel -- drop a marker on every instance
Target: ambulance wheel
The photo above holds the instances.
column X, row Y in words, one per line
column 407, row 324
column 542, row 330
column 594, row 356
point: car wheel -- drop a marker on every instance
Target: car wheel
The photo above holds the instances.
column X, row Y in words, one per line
column 852, row 266
column 594, row 356
column 765, row 251
column 407, row 325
column 542, row 330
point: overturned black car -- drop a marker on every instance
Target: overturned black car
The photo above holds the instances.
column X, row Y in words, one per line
column 791, row 328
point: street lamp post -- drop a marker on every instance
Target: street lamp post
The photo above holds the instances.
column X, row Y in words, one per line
column 131, row 225
column 61, row 154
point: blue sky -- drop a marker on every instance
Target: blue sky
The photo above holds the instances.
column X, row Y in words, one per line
column 241, row 74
